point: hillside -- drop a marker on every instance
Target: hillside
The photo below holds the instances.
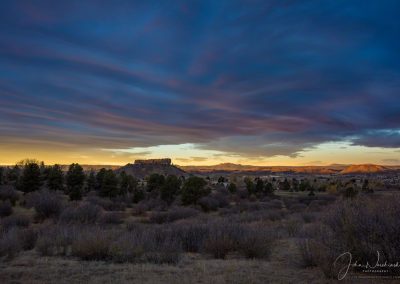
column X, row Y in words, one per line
column 366, row 168
column 141, row 170
column 229, row 167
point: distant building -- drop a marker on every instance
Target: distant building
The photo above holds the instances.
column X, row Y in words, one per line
column 165, row 162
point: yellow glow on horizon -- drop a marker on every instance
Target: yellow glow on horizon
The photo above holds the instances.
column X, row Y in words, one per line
column 189, row 154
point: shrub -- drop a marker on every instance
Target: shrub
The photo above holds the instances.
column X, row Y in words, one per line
column 133, row 225
column 172, row 215
column 8, row 193
column 47, row 204
column 10, row 245
column 92, row 244
column 161, row 246
column 308, row 217
column 152, row 204
column 276, row 204
column 27, row 238
column 142, row 244
column 255, row 243
column 293, row 226
column 221, row 196
column 5, row 208
column 112, row 218
column 167, row 252
column 361, row 226
column 208, row 203
column 106, row 203
column 84, row 213
column 297, row 207
column 128, row 247
column 56, row 240
column 10, row 222
column 222, row 239
column 139, row 209
column 191, row 236
column 307, row 253
column 242, row 194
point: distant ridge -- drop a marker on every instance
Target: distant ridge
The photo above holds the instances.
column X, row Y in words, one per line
column 330, row 169
column 229, row 167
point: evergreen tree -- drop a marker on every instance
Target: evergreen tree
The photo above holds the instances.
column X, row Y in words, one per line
column 232, row 187
column 304, row 185
column 295, row 185
column 99, row 178
column 55, row 178
column 249, row 185
column 30, row 179
column 155, row 182
column 350, row 192
column 1, row 175
column 109, row 185
column 221, row 179
column 193, row 189
column 91, row 181
column 285, row 185
column 138, row 195
column 128, row 183
column 13, row 175
column 170, row 188
column 44, row 172
column 75, row 181
column 268, row 189
column 259, row 186
column 365, row 187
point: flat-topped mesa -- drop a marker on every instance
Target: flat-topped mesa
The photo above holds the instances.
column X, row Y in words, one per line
column 165, row 162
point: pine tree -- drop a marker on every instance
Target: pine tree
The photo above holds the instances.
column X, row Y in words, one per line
column 170, row 188
column 31, row 177
column 91, row 182
column 55, row 178
column 75, row 181
column 109, row 184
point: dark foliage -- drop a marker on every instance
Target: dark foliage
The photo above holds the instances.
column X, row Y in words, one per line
column 5, row 208
column 31, row 177
column 193, row 189
column 75, row 180
column 55, row 178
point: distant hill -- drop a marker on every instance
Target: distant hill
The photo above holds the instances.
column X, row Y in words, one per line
column 229, row 167
column 366, row 168
column 330, row 169
column 144, row 168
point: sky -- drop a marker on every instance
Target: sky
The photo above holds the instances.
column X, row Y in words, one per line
column 202, row 82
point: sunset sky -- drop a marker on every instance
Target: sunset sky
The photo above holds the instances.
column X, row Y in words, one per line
column 202, row 82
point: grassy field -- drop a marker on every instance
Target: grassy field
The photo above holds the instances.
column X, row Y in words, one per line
column 243, row 240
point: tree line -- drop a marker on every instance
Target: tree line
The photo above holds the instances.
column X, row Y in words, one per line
column 31, row 175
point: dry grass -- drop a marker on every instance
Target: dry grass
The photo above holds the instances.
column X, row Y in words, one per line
column 29, row 268
column 248, row 242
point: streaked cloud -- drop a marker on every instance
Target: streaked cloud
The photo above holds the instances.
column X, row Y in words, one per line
column 253, row 81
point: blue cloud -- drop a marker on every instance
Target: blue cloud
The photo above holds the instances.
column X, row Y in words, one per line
column 259, row 78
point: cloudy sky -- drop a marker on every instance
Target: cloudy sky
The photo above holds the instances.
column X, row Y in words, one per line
column 202, row 82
